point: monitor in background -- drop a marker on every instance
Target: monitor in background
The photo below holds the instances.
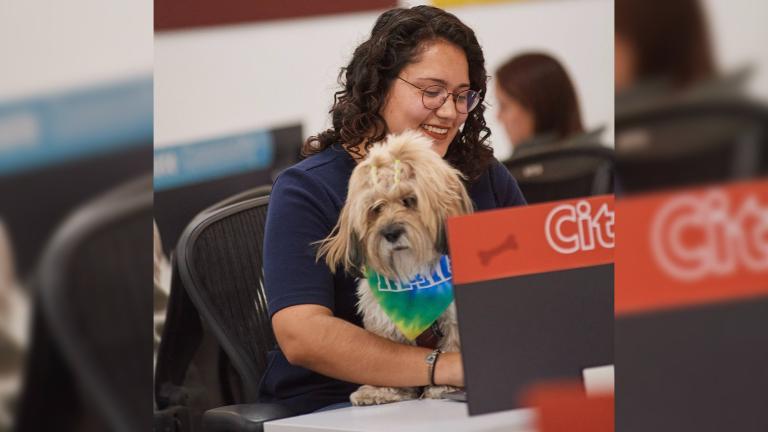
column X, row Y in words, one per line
column 58, row 150
column 191, row 177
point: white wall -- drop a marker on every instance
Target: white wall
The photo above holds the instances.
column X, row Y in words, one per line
column 739, row 30
column 49, row 46
column 224, row 80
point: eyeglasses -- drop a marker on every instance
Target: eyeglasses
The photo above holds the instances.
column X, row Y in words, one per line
column 434, row 96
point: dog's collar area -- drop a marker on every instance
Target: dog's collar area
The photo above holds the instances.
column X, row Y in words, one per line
column 430, row 338
column 415, row 306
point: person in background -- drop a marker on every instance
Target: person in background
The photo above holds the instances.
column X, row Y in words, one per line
column 662, row 49
column 14, row 329
column 537, row 102
column 162, row 288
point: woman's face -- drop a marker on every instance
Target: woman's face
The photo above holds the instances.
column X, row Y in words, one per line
column 440, row 63
column 518, row 121
column 625, row 64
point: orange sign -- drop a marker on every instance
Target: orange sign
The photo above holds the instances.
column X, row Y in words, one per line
column 534, row 239
column 691, row 247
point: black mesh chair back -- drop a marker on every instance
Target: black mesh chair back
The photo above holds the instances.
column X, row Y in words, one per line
column 690, row 143
column 554, row 172
column 242, row 196
column 219, row 257
column 90, row 347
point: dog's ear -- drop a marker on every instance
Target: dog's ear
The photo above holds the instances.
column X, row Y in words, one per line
column 342, row 247
column 441, row 242
column 355, row 254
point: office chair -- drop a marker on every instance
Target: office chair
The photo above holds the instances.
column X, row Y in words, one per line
column 687, row 143
column 256, row 192
column 193, row 373
column 87, row 368
column 557, row 172
column 218, row 260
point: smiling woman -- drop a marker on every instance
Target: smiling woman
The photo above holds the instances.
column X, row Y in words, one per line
column 422, row 70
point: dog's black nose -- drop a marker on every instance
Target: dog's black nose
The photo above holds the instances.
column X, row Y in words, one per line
column 392, row 232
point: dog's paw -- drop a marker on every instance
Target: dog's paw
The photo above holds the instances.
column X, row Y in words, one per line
column 437, row 392
column 371, row 395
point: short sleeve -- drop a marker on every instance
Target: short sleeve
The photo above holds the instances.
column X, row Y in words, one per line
column 300, row 213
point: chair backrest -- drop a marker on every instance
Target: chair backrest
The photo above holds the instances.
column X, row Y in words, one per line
column 219, row 257
column 690, row 143
column 556, row 172
column 256, row 192
column 93, row 315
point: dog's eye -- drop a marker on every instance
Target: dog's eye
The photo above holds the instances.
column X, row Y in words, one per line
column 409, row 202
column 376, row 209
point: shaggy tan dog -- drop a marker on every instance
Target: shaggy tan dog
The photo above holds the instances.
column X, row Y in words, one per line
column 393, row 223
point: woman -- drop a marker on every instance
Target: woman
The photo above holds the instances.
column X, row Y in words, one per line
column 537, row 103
column 661, row 46
column 420, row 69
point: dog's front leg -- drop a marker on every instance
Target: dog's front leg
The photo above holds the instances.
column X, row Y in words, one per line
column 437, row 392
column 372, row 395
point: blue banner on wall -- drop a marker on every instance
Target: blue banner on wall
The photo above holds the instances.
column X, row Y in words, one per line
column 71, row 125
column 205, row 160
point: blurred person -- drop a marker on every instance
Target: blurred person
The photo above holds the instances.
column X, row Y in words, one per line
column 537, row 102
column 660, row 48
column 162, row 287
column 14, row 315
column 421, row 69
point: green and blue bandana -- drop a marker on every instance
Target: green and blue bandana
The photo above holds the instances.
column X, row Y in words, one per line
column 415, row 305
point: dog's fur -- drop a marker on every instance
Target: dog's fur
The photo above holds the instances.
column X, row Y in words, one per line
column 416, row 195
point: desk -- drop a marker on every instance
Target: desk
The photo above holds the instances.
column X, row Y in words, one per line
column 415, row 415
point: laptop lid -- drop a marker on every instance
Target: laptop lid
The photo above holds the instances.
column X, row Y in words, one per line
column 534, row 296
column 692, row 310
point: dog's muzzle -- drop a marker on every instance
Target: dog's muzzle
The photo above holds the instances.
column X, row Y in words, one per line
column 392, row 232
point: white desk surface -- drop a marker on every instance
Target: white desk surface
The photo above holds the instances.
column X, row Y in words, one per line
column 415, row 415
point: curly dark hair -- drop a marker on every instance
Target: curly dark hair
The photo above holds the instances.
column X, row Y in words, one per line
column 396, row 40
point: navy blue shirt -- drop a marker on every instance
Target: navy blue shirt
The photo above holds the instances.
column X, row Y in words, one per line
column 304, row 207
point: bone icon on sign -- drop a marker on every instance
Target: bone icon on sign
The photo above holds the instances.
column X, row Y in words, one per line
column 510, row 243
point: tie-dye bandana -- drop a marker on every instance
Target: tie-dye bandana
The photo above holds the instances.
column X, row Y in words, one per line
column 415, row 305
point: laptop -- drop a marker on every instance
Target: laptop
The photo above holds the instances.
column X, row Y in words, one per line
column 691, row 340
column 534, row 294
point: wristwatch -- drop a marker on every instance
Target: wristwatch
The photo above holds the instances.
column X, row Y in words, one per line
column 431, row 360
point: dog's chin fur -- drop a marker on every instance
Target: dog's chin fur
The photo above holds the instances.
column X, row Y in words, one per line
column 401, row 183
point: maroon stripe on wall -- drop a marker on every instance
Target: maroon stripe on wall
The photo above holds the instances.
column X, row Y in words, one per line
column 180, row 14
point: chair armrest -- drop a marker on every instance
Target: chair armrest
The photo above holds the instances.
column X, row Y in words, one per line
column 243, row 418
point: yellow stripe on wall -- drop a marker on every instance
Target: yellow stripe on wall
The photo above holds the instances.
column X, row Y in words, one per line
column 453, row 3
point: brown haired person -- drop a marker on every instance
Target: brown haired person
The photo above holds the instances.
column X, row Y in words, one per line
column 537, row 103
column 421, row 69
column 662, row 49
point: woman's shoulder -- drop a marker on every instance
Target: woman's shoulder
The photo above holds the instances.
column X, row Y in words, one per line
column 497, row 181
column 324, row 174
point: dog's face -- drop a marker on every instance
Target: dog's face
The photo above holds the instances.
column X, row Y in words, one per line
column 394, row 219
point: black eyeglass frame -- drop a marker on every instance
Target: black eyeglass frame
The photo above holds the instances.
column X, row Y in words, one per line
column 454, row 96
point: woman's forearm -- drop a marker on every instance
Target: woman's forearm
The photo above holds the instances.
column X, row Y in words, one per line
column 336, row 348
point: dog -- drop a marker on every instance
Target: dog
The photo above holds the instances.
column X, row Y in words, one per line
column 393, row 226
